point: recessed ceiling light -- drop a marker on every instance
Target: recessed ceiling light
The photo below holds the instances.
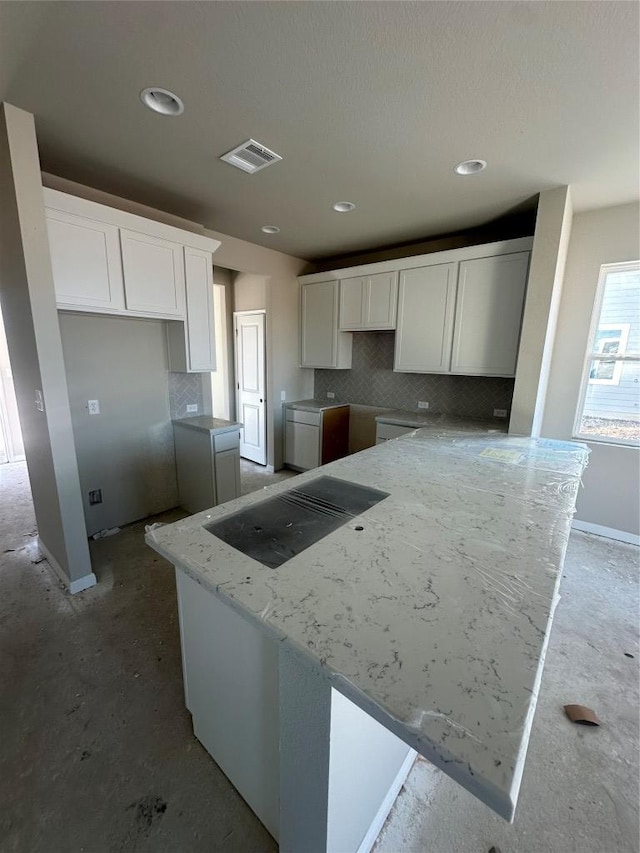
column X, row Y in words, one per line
column 270, row 229
column 162, row 101
column 470, row 167
column 344, row 206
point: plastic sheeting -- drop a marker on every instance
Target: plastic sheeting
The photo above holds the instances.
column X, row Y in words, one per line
column 432, row 609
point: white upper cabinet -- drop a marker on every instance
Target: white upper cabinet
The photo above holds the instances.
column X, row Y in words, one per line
column 85, row 257
column 426, row 303
column 114, row 262
column 200, row 319
column 321, row 344
column 369, row 302
column 192, row 346
column 153, row 274
column 489, row 305
column 458, row 311
column 352, row 303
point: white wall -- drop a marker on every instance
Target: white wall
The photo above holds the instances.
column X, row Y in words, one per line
column 127, row 450
column 35, row 349
column 611, row 482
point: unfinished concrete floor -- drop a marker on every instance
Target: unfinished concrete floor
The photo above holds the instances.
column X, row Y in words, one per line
column 97, row 752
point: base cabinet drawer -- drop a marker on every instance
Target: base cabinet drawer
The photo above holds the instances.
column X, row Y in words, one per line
column 302, row 445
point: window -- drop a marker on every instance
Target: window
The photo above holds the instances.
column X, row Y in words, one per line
column 609, row 407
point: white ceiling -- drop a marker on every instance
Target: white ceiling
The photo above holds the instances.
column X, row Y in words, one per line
column 367, row 102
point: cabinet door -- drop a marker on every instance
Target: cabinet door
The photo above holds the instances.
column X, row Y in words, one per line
column 227, row 468
column 302, row 445
column 488, row 315
column 153, row 274
column 200, row 317
column 381, row 301
column 319, row 324
column 352, row 303
column 85, row 256
column 425, row 319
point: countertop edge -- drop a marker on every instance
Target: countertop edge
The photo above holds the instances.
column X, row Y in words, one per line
column 230, row 427
column 503, row 803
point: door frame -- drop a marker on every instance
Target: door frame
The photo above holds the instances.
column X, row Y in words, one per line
column 237, row 314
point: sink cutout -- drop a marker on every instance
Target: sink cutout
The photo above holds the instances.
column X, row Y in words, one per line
column 279, row 528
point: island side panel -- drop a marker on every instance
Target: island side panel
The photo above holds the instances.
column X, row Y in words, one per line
column 368, row 767
column 305, row 735
column 231, row 685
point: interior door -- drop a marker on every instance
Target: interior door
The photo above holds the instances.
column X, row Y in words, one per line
column 250, row 385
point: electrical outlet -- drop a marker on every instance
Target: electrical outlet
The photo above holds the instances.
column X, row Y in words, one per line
column 95, row 497
column 499, row 413
column 422, row 404
column 330, row 395
column 93, row 406
column 283, row 396
column 192, row 408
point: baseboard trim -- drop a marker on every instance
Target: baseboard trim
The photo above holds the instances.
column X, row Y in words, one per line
column 608, row 532
column 385, row 807
column 78, row 585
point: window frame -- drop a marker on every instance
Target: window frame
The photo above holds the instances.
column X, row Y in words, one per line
column 591, row 355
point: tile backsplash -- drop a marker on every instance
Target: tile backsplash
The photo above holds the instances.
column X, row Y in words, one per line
column 372, row 382
column 185, row 389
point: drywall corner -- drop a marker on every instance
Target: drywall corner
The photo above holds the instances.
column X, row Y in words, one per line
column 33, row 338
column 544, row 289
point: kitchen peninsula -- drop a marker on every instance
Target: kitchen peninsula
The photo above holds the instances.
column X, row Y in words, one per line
column 420, row 623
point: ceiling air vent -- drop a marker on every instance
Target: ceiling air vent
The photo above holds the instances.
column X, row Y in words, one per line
column 251, row 156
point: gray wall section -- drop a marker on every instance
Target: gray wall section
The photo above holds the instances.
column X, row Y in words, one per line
column 610, row 497
column 127, row 450
column 372, row 382
column 33, row 337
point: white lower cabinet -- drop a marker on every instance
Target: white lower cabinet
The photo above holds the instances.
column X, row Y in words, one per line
column 489, row 307
column 302, row 442
column 153, row 271
column 426, row 304
column 207, row 465
column 86, row 263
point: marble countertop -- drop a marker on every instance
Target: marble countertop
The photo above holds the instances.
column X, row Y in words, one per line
column 399, row 417
column 432, row 610
column 315, row 405
column 205, row 423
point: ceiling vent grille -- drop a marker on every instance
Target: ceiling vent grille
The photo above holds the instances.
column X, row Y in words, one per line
column 251, row 156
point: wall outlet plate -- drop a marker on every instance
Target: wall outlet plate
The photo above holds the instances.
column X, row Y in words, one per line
column 192, row 408
column 95, row 497
column 422, row 404
column 330, row 395
column 283, row 396
column 499, row 413
column 93, row 406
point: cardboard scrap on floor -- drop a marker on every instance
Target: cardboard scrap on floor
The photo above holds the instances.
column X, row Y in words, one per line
column 582, row 715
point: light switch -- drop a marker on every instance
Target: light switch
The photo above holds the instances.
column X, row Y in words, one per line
column 192, row 408
column 93, row 406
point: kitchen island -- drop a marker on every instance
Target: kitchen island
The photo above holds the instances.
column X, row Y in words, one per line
column 419, row 624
